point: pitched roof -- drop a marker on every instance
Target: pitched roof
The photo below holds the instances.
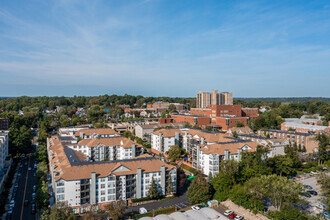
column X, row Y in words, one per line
column 66, row 171
column 196, row 134
column 231, row 147
column 111, row 141
column 99, row 131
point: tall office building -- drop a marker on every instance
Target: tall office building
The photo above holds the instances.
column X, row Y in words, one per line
column 205, row 99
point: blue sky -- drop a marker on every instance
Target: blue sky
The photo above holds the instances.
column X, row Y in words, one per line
column 164, row 48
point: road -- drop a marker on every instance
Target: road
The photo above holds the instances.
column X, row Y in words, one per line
column 24, row 191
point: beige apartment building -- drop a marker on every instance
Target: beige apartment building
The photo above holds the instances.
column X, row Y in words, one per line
column 206, row 99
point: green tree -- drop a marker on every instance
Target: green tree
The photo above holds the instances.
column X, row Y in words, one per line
column 169, row 185
column 153, row 192
column 235, row 135
column 323, row 147
column 171, row 107
column 174, row 153
column 116, row 210
column 199, row 190
column 239, row 124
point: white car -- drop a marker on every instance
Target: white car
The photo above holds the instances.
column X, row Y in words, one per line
column 312, row 172
column 29, row 168
column 239, row 217
column 195, row 208
column 228, row 212
column 142, row 210
column 321, row 206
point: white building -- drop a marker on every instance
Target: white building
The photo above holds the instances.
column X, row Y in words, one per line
column 4, row 140
column 84, row 185
column 111, row 148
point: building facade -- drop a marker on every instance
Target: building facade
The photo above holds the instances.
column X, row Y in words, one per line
column 4, row 124
column 86, row 185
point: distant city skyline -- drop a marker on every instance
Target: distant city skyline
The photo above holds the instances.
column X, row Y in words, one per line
column 164, row 48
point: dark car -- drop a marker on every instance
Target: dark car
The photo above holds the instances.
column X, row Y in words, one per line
column 308, row 187
column 306, row 194
column 26, row 202
column 313, row 192
column 33, row 208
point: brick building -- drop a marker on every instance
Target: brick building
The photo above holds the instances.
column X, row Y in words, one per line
column 230, row 121
column 304, row 128
column 191, row 119
column 252, row 113
column 4, row 124
column 303, row 139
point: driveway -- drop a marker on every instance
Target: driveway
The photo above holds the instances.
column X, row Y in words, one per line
column 315, row 199
column 180, row 202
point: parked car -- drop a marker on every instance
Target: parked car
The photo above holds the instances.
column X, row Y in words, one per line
column 26, row 202
column 239, row 217
column 33, row 208
column 321, row 206
column 326, row 214
column 25, row 163
column 142, row 210
column 313, row 192
column 313, row 172
column 232, row 216
column 12, row 203
column 195, row 208
column 29, row 168
column 228, row 212
column 308, row 187
column 306, row 194
column 10, row 210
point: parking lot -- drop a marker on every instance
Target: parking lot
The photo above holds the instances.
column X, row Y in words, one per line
column 311, row 180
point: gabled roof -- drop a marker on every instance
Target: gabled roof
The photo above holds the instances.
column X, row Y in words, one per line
column 231, row 147
column 99, row 131
column 111, row 141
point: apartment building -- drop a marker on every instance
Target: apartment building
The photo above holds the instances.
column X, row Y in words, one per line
column 303, row 127
column 206, row 99
column 4, row 140
column 303, row 139
column 191, row 119
column 4, row 124
column 85, row 185
column 4, row 164
column 95, row 133
column 207, row 158
column 144, row 131
column 112, row 148
column 252, row 113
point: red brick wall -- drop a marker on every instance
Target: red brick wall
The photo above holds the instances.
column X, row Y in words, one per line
column 191, row 119
column 165, row 120
column 201, row 111
column 223, row 110
column 232, row 122
column 4, row 123
column 250, row 112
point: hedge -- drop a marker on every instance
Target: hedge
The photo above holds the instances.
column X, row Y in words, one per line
column 141, row 199
column 190, row 169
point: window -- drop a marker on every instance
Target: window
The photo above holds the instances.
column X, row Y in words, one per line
column 102, row 186
column 147, row 174
column 111, row 185
column 102, row 192
column 102, row 199
column 60, row 197
column 60, row 190
column 61, row 183
column 111, row 191
column 110, row 198
column 110, row 178
column 102, row 180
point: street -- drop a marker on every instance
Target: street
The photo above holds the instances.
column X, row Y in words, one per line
column 24, row 191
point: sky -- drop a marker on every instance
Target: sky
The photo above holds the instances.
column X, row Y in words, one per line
column 165, row 48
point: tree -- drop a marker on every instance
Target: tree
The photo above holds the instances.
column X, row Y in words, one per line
column 235, row 135
column 239, row 124
column 171, row 107
column 169, row 185
column 282, row 165
column 182, row 178
column 153, row 192
column 199, row 190
column 174, row 153
column 116, row 209
column 323, row 147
